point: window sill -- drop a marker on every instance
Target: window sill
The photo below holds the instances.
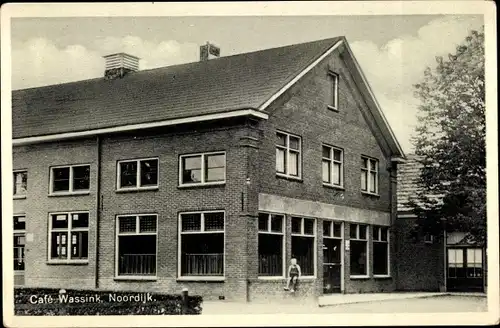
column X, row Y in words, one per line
column 65, row 194
column 382, row 276
column 371, row 194
column 202, row 185
column 206, row 278
column 68, row 262
column 307, row 278
column 271, row 278
column 18, row 272
column 335, row 109
column 135, row 278
column 326, row 185
column 125, row 190
column 359, row 277
column 19, row 197
column 289, row 177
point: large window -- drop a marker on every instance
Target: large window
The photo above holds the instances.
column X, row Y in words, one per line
column 369, row 175
column 70, row 179
column 201, row 247
column 456, row 268
column 288, row 159
column 334, row 91
column 20, row 184
column 138, row 174
column 358, row 249
column 69, row 236
column 474, row 262
column 271, row 244
column 304, row 244
column 202, row 169
column 380, row 251
column 19, row 242
column 333, row 166
column 136, row 245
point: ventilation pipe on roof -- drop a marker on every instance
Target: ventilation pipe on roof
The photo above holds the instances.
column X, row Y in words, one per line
column 208, row 51
column 120, row 64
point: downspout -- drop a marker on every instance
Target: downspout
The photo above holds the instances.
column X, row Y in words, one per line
column 98, row 210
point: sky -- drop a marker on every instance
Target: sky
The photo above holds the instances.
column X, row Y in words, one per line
column 393, row 51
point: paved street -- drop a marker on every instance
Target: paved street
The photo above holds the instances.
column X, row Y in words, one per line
column 414, row 305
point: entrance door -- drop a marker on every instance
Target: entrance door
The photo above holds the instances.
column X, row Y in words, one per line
column 332, row 265
column 465, row 269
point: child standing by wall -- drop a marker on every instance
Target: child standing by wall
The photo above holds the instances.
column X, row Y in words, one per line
column 293, row 274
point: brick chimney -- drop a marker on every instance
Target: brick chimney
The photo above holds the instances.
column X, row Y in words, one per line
column 120, row 64
column 208, row 51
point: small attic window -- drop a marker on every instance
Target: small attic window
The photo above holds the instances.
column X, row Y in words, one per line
column 333, row 95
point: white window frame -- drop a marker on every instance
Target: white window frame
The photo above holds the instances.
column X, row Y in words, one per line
column 283, row 239
column 315, row 246
column 332, row 161
column 202, row 168
column 21, row 233
column 202, row 231
column 367, row 250
column 17, row 195
column 334, row 78
column 70, row 191
column 138, row 174
column 388, row 243
column 135, row 233
column 368, row 171
column 289, row 150
column 68, row 230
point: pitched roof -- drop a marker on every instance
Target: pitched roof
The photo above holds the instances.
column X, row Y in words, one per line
column 243, row 81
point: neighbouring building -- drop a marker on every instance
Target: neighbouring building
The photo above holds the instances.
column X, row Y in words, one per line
column 452, row 261
column 209, row 175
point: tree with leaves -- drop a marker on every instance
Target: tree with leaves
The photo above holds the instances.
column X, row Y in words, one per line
column 450, row 142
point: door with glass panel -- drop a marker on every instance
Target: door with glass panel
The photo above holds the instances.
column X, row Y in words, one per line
column 332, row 257
column 465, row 269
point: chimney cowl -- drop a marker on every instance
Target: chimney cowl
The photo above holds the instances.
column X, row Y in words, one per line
column 119, row 64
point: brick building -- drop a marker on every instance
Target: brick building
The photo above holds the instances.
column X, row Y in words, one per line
column 209, row 175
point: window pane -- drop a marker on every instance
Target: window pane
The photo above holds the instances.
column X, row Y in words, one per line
column 214, row 221
column 280, row 160
column 336, row 174
column 326, row 171
column 373, row 182
column 293, row 166
column 384, row 234
column 332, row 252
column 326, row 152
column 79, row 245
column 358, row 257
column 127, row 224
column 191, row 169
column 337, row 155
column 81, row 177
column 327, row 226
column 58, row 245
column 373, row 165
column 281, row 139
column 353, row 231
column 128, row 174
column 362, row 231
column 134, row 260
column 364, row 163
column 296, row 225
column 380, row 264
column 303, row 251
column 61, row 179
column 19, row 244
column 337, row 229
column 270, row 255
column 452, row 256
column 276, row 223
column 80, row 220
column 20, row 183
column 149, row 172
column 309, row 226
column 19, row 222
column 364, row 181
column 191, row 222
column 333, row 90
column 215, row 167
column 263, row 219
column 59, row 221
column 147, row 223
column 202, row 254
column 376, row 233
column 294, row 143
